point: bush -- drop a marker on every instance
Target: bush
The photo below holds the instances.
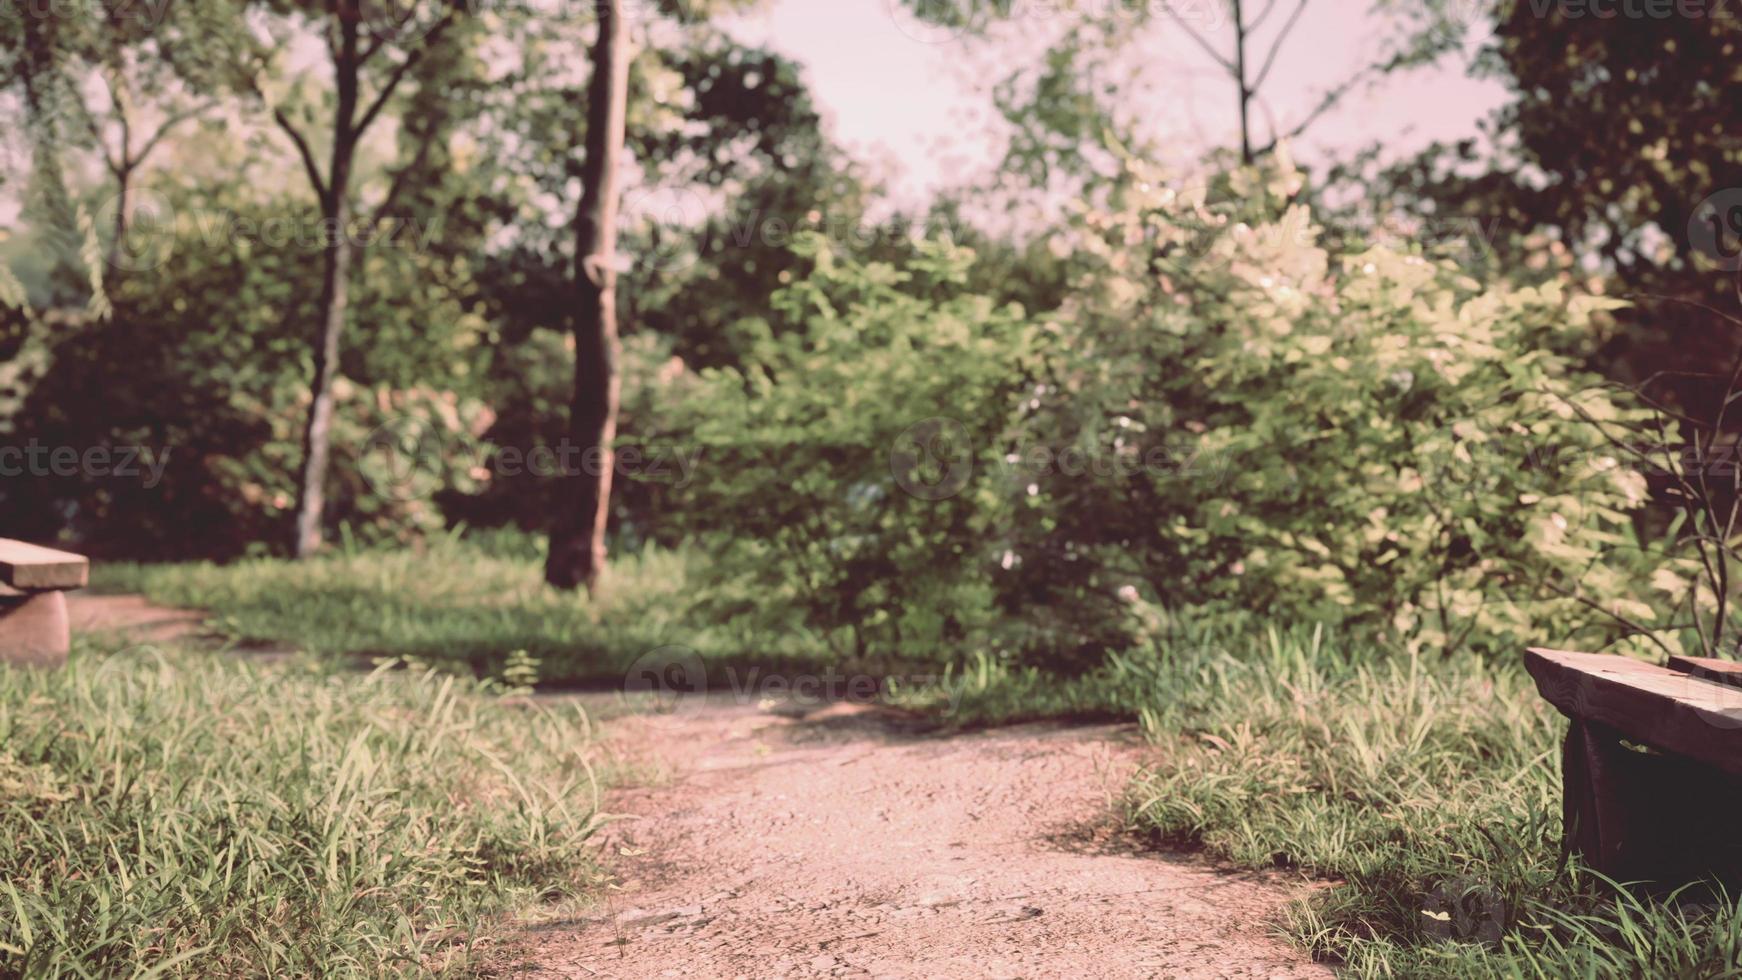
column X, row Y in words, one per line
column 204, row 365
column 833, row 463
column 1369, row 439
column 1222, row 416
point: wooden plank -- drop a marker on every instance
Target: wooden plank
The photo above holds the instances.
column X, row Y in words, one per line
column 1721, row 671
column 1665, row 709
column 33, row 567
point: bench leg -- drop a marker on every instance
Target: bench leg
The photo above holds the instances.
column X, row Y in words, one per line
column 1594, row 804
column 33, row 629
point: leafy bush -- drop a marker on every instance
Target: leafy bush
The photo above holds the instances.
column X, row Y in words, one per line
column 204, row 368
column 194, row 815
column 1221, row 416
column 833, row 462
column 1365, row 439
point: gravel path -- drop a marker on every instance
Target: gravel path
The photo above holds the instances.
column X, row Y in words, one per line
column 845, row 842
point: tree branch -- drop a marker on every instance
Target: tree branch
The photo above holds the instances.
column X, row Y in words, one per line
column 1194, row 35
column 399, row 73
column 169, row 124
column 302, row 148
column 1330, row 100
column 1262, row 14
column 1276, row 46
column 393, row 188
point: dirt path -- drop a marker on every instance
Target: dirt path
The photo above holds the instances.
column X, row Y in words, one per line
column 847, row 843
column 90, row 612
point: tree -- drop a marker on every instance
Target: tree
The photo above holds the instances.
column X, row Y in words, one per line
column 1061, row 108
column 1616, row 158
column 577, row 539
column 126, row 73
column 357, row 47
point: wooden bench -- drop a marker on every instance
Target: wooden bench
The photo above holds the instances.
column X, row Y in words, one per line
column 1652, row 766
column 33, row 605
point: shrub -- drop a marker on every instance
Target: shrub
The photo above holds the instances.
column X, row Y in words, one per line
column 1368, row 439
column 1222, row 416
column 834, row 462
column 205, row 365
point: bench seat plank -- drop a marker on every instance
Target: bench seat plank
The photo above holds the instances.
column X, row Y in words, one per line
column 1669, row 710
column 31, row 567
column 1722, row 671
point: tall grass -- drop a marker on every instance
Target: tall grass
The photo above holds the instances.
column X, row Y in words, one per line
column 1430, row 790
column 467, row 602
column 175, row 813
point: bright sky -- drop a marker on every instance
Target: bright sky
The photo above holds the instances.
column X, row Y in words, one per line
column 917, row 101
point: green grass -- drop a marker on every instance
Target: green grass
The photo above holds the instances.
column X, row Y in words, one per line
column 1431, row 790
column 1427, row 790
column 188, row 814
column 467, row 603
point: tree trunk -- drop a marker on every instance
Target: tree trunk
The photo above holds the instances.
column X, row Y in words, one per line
column 1240, row 81
column 577, row 537
column 317, row 433
column 335, row 280
column 123, row 194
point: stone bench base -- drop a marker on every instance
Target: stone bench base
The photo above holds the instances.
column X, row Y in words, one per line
column 33, row 629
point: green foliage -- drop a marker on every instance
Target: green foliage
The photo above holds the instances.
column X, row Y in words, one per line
column 1612, row 149
column 1367, row 438
column 194, row 815
column 833, row 461
column 1223, row 414
column 202, row 366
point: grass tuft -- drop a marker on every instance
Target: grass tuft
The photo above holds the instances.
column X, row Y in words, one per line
column 179, row 813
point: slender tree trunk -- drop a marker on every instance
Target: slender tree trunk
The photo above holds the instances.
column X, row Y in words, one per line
column 318, row 432
column 123, row 194
column 334, row 304
column 1240, row 82
column 577, row 537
